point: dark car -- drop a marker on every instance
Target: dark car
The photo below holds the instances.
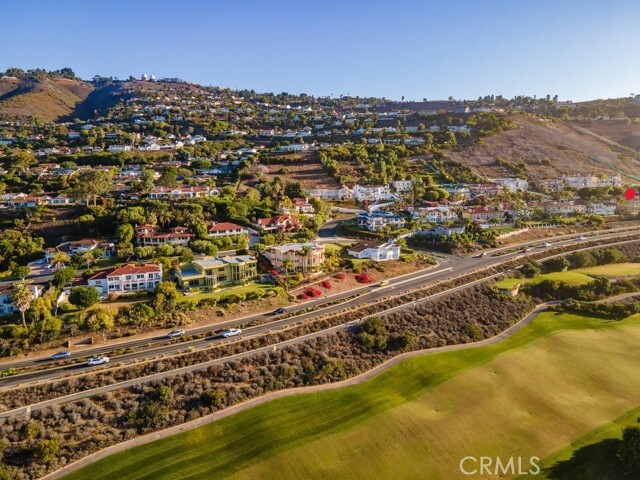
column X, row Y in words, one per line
column 279, row 311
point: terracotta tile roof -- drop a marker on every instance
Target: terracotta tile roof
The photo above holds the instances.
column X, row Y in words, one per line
column 129, row 269
column 215, row 227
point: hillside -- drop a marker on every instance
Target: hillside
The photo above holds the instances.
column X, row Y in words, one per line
column 569, row 150
column 620, row 131
column 47, row 100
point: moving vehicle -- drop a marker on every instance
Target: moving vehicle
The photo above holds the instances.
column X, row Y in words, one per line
column 582, row 238
column 97, row 361
column 384, row 283
column 61, row 355
column 176, row 333
column 279, row 311
column 232, row 332
column 545, row 244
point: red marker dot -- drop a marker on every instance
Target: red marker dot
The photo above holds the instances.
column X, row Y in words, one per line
column 630, row 194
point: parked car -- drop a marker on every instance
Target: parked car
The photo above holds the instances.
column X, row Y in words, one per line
column 61, row 355
column 176, row 333
column 232, row 332
column 97, row 361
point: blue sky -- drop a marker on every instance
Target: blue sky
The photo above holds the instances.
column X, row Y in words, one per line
column 435, row 49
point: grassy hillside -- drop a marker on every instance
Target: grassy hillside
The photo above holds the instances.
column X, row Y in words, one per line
column 420, row 418
column 576, row 277
column 569, row 150
column 47, row 100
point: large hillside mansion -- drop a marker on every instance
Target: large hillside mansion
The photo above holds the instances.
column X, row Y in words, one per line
column 300, row 256
column 213, row 272
column 151, row 235
column 128, row 278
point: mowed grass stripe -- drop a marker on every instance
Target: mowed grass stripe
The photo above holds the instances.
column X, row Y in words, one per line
column 234, row 443
column 578, row 276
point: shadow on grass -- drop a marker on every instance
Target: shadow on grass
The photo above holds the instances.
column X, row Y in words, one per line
column 597, row 461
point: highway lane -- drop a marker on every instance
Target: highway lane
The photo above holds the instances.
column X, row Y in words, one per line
column 163, row 346
column 162, row 338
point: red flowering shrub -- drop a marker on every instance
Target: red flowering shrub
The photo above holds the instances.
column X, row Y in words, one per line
column 363, row 278
column 325, row 284
column 312, row 292
column 340, row 276
column 302, row 296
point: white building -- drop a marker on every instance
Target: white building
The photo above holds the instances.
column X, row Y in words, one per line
column 374, row 221
column 602, row 208
column 373, row 192
column 128, row 278
column 376, row 251
column 79, row 247
column 294, row 147
column 439, row 214
column 7, row 307
column 512, row 184
column 119, row 148
column 225, row 229
column 583, row 181
column 327, row 193
column 183, row 192
column 402, row 185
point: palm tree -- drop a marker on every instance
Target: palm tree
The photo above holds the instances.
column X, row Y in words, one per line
column 22, row 296
column 88, row 258
column 287, row 265
column 305, row 252
column 59, row 259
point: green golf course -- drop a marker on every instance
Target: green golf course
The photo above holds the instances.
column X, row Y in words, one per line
column 551, row 383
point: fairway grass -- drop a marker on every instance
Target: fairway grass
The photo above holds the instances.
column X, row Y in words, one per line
column 576, row 277
column 612, row 270
column 532, row 394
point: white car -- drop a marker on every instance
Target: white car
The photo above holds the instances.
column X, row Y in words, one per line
column 582, row 238
column 97, row 361
column 232, row 332
column 546, row 244
column 176, row 333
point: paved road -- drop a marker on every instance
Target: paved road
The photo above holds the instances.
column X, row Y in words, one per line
column 368, row 294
